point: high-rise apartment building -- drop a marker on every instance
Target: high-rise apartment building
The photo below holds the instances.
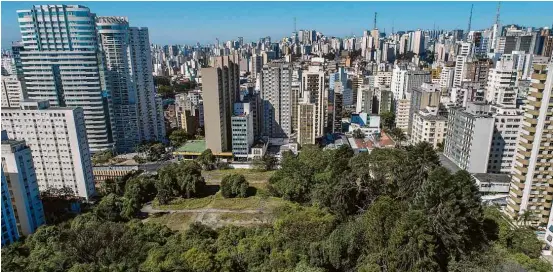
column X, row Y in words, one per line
column 10, row 233
column 12, row 91
column 151, row 125
column 57, row 137
column 508, row 44
column 113, row 33
column 242, row 130
column 398, row 82
column 417, row 45
column 295, row 100
column 404, row 80
column 364, row 99
column 532, row 179
column 18, row 174
column 507, row 124
column 429, row 127
column 465, row 50
column 316, row 92
column 306, row 123
column 469, row 136
column 257, row 65
column 276, row 94
column 478, row 70
column 335, row 109
column 383, row 79
column 382, row 100
column 427, row 95
column 446, row 77
column 501, row 85
column 402, row 109
column 61, row 62
column 220, row 88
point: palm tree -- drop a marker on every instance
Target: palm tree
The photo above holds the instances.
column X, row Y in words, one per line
column 398, row 135
column 526, row 217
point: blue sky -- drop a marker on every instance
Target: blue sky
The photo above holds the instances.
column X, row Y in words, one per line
column 190, row 22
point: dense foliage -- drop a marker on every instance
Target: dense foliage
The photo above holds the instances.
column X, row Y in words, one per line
column 391, row 210
column 178, row 137
column 179, row 179
column 266, row 163
column 151, row 151
column 234, row 185
column 102, row 157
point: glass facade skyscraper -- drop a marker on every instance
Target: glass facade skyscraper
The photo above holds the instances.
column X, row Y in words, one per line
column 61, row 62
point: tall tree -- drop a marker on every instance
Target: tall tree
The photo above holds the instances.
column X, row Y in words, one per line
column 178, row 137
column 234, row 185
column 206, row 159
column 388, row 119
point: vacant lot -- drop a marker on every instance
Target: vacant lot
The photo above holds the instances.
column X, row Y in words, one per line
column 216, row 211
column 174, row 221
column 264, row 204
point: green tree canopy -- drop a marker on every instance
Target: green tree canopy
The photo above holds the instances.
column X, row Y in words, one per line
column 234, row 185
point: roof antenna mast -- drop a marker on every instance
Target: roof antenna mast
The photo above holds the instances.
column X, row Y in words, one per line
column 497, row 14
column 375, row 20
column 470, row 19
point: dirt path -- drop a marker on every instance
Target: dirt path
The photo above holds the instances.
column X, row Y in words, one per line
column 149, row 209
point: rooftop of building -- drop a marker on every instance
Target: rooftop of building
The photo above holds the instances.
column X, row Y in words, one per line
column 370, row 143
column 112, row 20
column 43, row 105
column 448, row 164
column 258, row 144
column 433, row 117
column 498, row 178
column 193, row 146
column 12, row 142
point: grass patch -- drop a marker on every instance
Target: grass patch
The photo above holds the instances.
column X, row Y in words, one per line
column 174, row 221
column 248, row 203
column 252, row 176
column 184, row 203
column 244, row 217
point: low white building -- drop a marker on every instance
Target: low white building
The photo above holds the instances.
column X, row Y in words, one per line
column 57, row 138
column 492, row 183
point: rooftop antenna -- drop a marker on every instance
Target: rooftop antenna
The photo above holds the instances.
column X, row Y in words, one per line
column 375, row 20
column 392, row 27
column 470, row 19
column 295, row 29
column 497, row 14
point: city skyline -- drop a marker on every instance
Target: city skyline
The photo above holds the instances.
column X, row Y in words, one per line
column 168, row 26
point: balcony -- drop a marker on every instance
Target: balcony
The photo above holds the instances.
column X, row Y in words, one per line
column 539, row 76
column 521, row 169
column 521, row 178
column 530, row 138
